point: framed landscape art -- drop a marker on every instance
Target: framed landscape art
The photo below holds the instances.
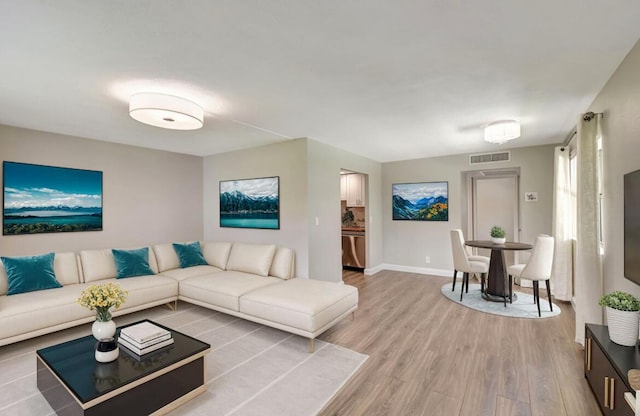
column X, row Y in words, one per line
column 250, row 203
column 49, row 199
column 422, row 201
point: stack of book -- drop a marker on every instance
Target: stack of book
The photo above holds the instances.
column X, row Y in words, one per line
column 144, row 338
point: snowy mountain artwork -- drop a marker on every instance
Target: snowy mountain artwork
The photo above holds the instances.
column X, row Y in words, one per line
column 50, row 199
column 250, row 203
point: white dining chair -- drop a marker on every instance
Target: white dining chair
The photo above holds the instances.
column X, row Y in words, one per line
column 462, row 263
column 536, row 269
column 473, row 257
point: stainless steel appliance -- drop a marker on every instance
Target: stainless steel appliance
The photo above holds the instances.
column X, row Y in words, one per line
column 353, row 249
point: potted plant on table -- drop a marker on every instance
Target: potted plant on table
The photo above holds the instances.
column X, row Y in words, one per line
column 498, row 235
column 623, row 317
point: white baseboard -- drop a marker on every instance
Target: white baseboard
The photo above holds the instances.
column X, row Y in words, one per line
column 408, row 269
column 370, row 271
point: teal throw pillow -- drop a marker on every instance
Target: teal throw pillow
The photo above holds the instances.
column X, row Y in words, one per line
column 189, row 254
column 30, row 273
column 130, row 263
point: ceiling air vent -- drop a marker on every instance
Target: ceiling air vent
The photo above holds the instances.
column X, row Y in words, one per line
column 489, row 158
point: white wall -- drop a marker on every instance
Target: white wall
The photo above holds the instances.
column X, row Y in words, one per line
column 406, row 243
column 309, row 187
column 149, row 196
column 325, row 244
column 288, row 160
column 619, row 100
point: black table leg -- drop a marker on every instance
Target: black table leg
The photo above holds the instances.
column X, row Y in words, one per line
column 497, row 276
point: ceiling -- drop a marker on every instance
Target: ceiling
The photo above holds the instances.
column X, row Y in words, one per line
column 389, row 80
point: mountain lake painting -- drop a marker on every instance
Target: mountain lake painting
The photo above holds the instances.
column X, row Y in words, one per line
column 424, row 201
column 250, row 203
column 48, row 199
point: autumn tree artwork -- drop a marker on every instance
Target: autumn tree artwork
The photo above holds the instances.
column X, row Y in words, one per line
column 421, row 201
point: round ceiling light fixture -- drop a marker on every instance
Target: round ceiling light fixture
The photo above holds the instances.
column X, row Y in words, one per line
column 501, row 131
column 166, row 111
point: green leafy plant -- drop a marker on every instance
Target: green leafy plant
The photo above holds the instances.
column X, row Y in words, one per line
column 497, row 232
column 621, row 301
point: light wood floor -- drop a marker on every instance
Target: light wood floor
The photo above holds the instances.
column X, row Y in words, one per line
column 430, row 356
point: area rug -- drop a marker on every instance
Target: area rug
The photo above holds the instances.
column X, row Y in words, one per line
column 522, row 307
column 251, row 369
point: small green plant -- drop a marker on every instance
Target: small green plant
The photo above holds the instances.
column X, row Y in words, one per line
column 621, row 301
column 497, row 232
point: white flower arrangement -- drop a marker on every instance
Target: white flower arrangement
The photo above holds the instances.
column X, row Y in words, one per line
column 101, row 298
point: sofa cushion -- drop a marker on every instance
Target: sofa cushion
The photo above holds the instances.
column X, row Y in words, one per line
column 144, row 290
column 251, row 258
column 216, row 254
column 305, row 304
column 131, row 263
column 65, row 266
column 181, row 274
column 166, row 257
column 283, row 264
column 28, row 312
column 30, row 273
column 100, row 264
column 223, row 289
column 189, row 254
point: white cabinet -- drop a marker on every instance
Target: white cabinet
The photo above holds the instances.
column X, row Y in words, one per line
column 355, row 190
column 343, row 187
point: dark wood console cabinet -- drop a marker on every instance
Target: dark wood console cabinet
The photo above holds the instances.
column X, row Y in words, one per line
column 605, row 367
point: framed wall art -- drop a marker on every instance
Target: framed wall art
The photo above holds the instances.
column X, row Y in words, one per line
column 421, row 201
column 49, row 199
column 250, row 203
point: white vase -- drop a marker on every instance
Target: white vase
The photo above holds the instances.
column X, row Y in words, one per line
column 623, row 326
column 496, row 240
column 102, row 330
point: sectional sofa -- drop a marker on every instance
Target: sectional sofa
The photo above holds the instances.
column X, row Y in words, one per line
column 251, row 281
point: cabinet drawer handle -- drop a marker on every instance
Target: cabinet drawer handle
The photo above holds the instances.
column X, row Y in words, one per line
column 588, row 354
column 606, row 392
column 612, row 383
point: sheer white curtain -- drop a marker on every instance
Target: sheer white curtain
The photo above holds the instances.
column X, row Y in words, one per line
column 561, row 228
column 588, row 276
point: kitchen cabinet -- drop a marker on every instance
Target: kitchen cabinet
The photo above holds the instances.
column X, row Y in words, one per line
column 343, row 187
column 355, row 190
column 605, row 367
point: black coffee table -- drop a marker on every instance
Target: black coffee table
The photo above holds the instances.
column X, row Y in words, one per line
column 74, row 383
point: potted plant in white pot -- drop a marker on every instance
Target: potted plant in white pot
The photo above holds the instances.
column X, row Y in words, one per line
column 623, row 317
column 497, row 235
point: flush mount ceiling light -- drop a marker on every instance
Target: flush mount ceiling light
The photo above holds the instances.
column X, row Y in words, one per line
column 166, row 111
column 501, row 131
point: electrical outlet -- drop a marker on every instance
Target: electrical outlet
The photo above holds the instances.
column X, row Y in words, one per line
column 427, row 259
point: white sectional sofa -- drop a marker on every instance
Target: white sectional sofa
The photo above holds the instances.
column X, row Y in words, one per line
column 251, row 281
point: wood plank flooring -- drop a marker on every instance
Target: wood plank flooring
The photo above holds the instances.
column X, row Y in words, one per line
column 430, row 356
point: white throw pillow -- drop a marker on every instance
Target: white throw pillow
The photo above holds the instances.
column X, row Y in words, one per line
column 251, row 258
column 282, row 265
column 166, row 257
column 216, row 254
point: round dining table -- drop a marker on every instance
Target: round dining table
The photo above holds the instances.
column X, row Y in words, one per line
column 496, row 289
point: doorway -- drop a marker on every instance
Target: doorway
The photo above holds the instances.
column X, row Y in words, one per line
column 353, row 219
column 493, row 196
